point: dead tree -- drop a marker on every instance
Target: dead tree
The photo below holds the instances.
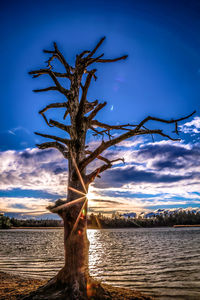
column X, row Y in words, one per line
column 74, row 276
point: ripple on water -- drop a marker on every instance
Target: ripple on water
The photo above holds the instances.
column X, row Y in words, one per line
column 163, row 262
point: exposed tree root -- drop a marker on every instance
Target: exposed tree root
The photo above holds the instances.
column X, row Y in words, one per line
column 54, row 290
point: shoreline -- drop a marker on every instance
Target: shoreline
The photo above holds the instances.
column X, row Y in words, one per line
column 61, row 227
column 13, row 287
column 179, row 226
column 39, row 227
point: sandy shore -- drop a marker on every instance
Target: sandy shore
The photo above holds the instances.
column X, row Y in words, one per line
column 15, row 287
column 12, row 287
column 39, row 227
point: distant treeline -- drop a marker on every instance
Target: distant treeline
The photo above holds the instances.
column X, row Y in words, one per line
column 6, row 222
column 100, row 221
column 175, row 218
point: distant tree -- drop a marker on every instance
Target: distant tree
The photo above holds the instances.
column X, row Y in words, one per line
column 73, row 278
column 4, row 222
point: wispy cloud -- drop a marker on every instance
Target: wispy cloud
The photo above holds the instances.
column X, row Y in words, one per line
column 25, row 204
column 14, row 130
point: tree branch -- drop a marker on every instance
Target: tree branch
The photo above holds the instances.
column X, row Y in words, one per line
column 56, row 145
column 57, row 54
column 102, row 132
column 111, row 60
column 52, row 75
column 86, row 86
column 82, row 104
column 50, row 88
column 60, row 125
column 52, row 105
column 53, row 137
column 90, row 106
column 40, row 72
column 93, row 60
column 96, row 131
column 94, row 174
column 149, row 118
column 65, row 115
column 134, row 132
column 45, row 118
column 84, row 52
column 96, row 47
column 106, row 160
column 108, row 165
column 77, row 109
column 62, row 59
column 96, row 110
column 111, row 127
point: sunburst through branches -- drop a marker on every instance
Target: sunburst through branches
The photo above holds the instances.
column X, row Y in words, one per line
column 82, row 212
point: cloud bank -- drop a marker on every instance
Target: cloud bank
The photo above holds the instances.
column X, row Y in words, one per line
column 160, row 174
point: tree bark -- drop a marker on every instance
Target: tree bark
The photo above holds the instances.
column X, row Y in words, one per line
column 75, row 273
column 73, row 279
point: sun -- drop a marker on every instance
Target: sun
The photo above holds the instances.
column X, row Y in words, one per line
column 90, row 194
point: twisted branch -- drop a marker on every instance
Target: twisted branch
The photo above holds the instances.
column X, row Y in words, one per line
column 53, row 137
column 52, row 105
column 132, row 132
column 106, row 160
column 149, row 118
column 60, row 125
column 78, row 108
column 56, row 145
column 57, row 54
column 58, row 87
column 111, row 127
column 108, row 165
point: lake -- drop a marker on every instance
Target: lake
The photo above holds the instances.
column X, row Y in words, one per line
column 163, row 262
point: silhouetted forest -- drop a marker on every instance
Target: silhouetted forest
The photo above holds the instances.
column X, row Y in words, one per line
column 116, row 221
column 6, row 222
column 175, row 218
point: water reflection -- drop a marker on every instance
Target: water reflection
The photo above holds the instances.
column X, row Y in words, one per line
column 163, row 262
column 158, row 261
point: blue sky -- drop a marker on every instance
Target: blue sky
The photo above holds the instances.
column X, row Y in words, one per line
column 160, row 78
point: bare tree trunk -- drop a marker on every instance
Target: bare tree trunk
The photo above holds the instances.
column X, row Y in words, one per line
column 75, row 273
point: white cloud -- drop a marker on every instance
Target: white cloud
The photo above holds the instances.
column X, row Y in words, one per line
column 33, row 169
column 24, row 204
column 192, row 126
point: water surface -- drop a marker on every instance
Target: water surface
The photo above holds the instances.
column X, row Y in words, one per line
column 164, row 262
